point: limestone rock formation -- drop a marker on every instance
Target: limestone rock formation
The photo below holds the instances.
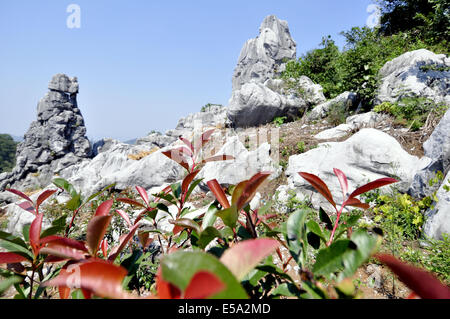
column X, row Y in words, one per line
column 419, row 73
column 437, row 155
column 257, row 96
column 347, row 100
column 263, row 56
column 367, row 155
column 56, row 140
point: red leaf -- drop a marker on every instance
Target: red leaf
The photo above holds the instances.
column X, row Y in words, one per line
column 202, row 140
column 250, row 189
column 65, row 252
column 43, row 196
column 372, row 185
column 96, row 230
column 218, row 158
column 64, row 241
column 188, row 180
column 176, row 156
column 217, row 190
column 420, row 281
column 11, row 258
column 188, row 143
column 123, row 241
column 130, row 201
column 319, row 185
column 15, row 191
column 245, row 255
column 165, row 289
column 342, row 181
column 104, row 247
column 237, row 192
column 28, row 207
column 143, row 194
column 203, row 285
column 104, row 208
column 356, row 203
column 98, row 276
column 35, row 233
column 144, row 238
column 125, row 217
column 64, row 292
column 87, row 294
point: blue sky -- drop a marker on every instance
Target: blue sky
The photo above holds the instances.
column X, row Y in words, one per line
column 142, row 65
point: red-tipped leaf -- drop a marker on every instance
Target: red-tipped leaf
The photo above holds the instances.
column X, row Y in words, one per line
column 19, row 193
column 96, row 230
column 42, row 197
column 123, row 241
column 100, row 277
column 130, row 202
column 319, row 185
column 104, row 208
column 420, row 281
column 250, row 189
column 125, row 217
column 35, row 233
column 372, row 185
column 11, row 258
column 356, row 203
column 203, row 285
column 165, row 289
column 342, row 181
column 245, row 255
column 188, row 143
column 28, row 207
column 188, row 180
column 143, row 193
column 202, row 140
column 217, row 190
column 177, row 157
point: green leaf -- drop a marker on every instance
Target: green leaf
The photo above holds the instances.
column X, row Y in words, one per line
column 26, row 232
column 315, row 228
column 11, row 238
column 192, row 187
column 354, row 258
column 313, row 240
column 98, row 193
column 176, row 189
column 330, row 259
column 286, row 289
column 8, row 282
column 207, row 235
column 16, row 248
column 74, row 203
column 210, row 216
column 296, row 235
column 174, row 270
column 229, row 216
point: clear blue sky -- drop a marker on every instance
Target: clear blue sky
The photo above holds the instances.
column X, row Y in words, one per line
column 142, row 65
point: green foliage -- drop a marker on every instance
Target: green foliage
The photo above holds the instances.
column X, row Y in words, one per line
column 301, row 147
column 338, row 114
column 7, row 153
column 411, row 112
column 428, row 20
column 278, row 121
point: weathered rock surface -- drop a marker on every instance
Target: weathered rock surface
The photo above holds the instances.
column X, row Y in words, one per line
column 353, row 122
column 419, row 73
column 245, row 165
column 437, row 153
column 256, row 104
column 438, row 219
column 263, row 56
column 347, row 100
column 367, row 155
column 56, row 140
column 115, row 165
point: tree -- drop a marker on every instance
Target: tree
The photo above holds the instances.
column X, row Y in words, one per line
column 7, row 153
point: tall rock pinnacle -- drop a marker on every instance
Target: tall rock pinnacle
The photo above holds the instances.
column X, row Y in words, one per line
column 57, row 138
column 262, row 57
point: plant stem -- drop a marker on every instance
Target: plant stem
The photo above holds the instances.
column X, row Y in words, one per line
column 30, row 296
column 335, row 226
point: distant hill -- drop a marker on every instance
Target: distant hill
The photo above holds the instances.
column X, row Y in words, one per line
column 132, row 142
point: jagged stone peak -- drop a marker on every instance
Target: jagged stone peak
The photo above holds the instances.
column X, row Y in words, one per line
column 262, row 57
column 63, row 83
